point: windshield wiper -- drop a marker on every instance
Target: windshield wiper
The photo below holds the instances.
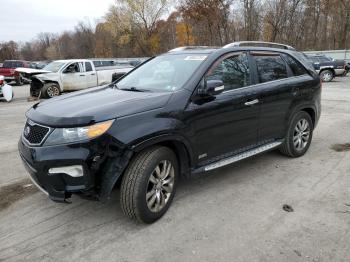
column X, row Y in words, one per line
column 134, row 89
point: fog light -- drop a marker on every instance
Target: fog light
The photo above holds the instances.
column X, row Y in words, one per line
column 73, row 171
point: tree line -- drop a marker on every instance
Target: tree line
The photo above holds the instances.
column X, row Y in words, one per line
column 138, row 28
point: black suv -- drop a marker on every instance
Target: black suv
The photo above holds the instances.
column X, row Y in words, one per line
column 188, row 111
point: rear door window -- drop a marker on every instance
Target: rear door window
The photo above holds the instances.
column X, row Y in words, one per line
column 270, row 67
column 296, row 67
column 88, row 67
column 233, row 71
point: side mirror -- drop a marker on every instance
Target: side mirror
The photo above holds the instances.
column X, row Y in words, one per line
column 211, row 88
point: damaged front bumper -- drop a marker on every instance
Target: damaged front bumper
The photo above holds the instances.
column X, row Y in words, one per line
column 54, row 174
column 60, row 171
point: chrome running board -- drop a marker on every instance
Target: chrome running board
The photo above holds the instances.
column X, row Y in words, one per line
column 241, row 156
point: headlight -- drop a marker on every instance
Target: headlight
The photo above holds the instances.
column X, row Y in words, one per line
column 76, row 134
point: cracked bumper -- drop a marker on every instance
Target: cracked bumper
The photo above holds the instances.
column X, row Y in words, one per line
column 58, row 186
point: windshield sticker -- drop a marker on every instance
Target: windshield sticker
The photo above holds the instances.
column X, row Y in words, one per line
column 196, row 58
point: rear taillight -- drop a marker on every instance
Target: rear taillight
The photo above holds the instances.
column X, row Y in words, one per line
column 2, row 82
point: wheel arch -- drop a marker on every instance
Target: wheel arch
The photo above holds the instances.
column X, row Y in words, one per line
column 176, row 143
column 52, row 82
column 329, row 69
column 114, row 168
column 308, row 108
column 311, row 111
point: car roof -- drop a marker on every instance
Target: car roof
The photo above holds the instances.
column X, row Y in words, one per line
column 71, row 60
column 211, row 50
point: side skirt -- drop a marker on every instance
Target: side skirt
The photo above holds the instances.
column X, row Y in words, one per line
column 239, row 157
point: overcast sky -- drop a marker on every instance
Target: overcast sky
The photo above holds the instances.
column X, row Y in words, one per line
column 22, row 20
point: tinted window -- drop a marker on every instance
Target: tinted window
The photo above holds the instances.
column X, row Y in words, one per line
column 88, row 67
column 297, row 68
column 233, row 71
column 270, row 67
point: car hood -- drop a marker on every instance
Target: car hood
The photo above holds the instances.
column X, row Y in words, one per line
column 94, row 105
column 31, row 71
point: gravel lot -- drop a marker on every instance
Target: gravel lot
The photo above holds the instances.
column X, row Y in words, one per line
column 233, row 214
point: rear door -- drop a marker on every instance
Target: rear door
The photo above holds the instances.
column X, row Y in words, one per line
column 277, row 92
column 90, row 75
column 227, row 123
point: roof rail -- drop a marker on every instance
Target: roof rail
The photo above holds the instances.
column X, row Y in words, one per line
column 260, row 44
column 184, row 48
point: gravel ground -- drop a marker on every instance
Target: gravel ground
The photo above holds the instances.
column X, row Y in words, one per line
column 232, row 214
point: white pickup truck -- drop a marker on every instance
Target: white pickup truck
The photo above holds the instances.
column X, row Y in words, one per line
column 70, row 75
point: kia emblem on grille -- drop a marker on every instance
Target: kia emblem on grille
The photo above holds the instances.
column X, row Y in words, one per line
column 27, row 131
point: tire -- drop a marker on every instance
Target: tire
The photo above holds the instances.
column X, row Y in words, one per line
column 50, row 90
column 136, row 184
column 290, row 146
column 327, row 75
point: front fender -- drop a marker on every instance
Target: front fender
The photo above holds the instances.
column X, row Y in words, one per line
column 158, row 139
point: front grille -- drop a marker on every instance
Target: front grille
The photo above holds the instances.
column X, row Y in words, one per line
column 35, row 133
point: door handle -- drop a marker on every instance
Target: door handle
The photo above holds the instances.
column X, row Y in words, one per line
column 93, row 74
column 81, row 75
column 252, row 102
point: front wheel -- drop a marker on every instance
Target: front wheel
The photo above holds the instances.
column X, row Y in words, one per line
column 299, row 135
column 149, row 183
column 50, row 90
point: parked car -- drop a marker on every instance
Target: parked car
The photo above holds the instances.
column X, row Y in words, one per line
column 327, row 67
column 188, row 111
column 9, row 72
column 68, row 75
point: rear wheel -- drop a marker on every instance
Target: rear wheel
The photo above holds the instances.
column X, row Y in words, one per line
column 327, row 75
column 299, row 135
column 50, row 90
column 149, row 184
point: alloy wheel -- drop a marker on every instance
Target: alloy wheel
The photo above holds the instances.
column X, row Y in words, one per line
column 160, row 186
column 301, row 134
column 53, row 91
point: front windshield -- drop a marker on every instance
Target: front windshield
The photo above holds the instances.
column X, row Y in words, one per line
column 166, row 73
column 54, row 66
